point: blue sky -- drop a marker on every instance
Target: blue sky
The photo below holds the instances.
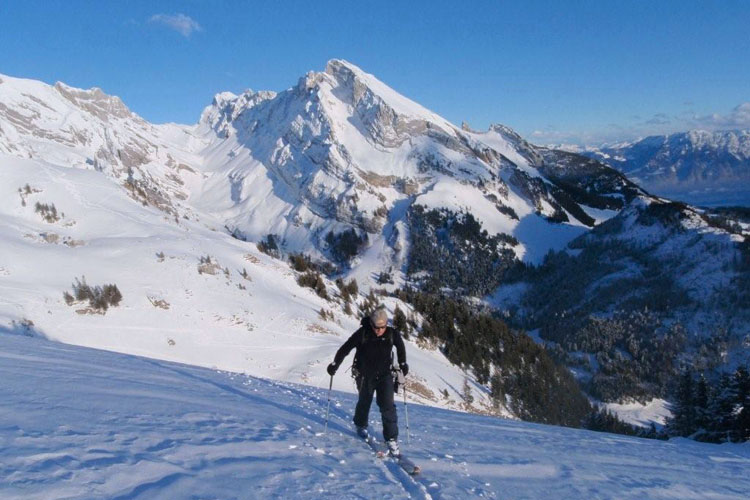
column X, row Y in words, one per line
column 583, row 71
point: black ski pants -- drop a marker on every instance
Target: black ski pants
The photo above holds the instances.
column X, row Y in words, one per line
column 382, row 386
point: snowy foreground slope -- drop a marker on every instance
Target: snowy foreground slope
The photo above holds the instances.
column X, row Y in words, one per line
column 83, row 423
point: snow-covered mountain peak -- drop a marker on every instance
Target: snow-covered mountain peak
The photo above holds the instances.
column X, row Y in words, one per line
column 698, row 166
column 736, row 142
column 96, row 102
column 389, row 115
column 39, row 99
column 339, row 151
column 90, row 130
column 343, row 151
column 505, row 131
column 227, row 106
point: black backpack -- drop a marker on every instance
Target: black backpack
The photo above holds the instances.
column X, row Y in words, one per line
column 357, row 374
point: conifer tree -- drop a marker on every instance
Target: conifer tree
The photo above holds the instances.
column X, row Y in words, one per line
column 742, row 386
column 496, row 390
column 721, row 410
column 700, row 403
column 683, row 409
column 468, row 397
column 399, row 321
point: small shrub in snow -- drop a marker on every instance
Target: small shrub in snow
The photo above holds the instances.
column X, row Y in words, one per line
column 300, row 262
column 100, row 298
column 348, row 290
column 251, row 258
column 25, row 191
column 48, row 212
column 207, row 265
column 52, row 238
column 385, row 278
column 467, row 395
column 70, row 242
column 269, row 246
column 159, row 303
column 399, row 322
column 369, row 304
column 24, row 327
column 314, row 280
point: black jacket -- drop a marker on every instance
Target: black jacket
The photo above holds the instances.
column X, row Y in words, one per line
column 373, row 357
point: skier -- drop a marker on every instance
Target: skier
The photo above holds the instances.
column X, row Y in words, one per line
column 374, row 342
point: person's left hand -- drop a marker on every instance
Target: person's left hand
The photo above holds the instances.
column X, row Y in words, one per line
column 404, row 368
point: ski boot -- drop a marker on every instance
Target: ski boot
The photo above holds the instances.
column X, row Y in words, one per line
column 362, row 432
column 393, row 449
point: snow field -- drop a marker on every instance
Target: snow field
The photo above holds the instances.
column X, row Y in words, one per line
column 270, row 328
column 83, row 423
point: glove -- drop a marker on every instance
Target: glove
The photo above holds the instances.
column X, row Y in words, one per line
column 404, row 368
column 332, row 369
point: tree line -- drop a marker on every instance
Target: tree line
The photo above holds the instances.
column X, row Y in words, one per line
column 518, row 372
column 714, row 411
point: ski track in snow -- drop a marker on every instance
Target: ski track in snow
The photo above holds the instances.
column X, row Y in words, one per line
column 83, row 423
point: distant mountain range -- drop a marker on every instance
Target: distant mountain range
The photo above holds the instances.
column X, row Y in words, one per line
column 699, row 167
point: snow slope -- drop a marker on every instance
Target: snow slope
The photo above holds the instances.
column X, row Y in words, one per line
column 262, row 323
column 82, row 423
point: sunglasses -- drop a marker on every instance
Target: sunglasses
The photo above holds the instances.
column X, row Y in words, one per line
column 375, row 327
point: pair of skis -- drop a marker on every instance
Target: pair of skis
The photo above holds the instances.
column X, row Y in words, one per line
column 381, row 451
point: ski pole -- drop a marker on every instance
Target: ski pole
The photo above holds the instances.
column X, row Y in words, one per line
column 406, row 410
column 328, row 408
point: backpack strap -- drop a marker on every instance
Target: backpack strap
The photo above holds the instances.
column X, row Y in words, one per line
column 355, row 361
column 363, row 341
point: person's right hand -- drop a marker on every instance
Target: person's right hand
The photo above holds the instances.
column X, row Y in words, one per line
column 332, row 369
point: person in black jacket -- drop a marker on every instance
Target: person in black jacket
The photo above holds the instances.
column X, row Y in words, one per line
column 374, row 342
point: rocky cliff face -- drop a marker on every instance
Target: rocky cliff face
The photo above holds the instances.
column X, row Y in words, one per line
column 91, row 130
